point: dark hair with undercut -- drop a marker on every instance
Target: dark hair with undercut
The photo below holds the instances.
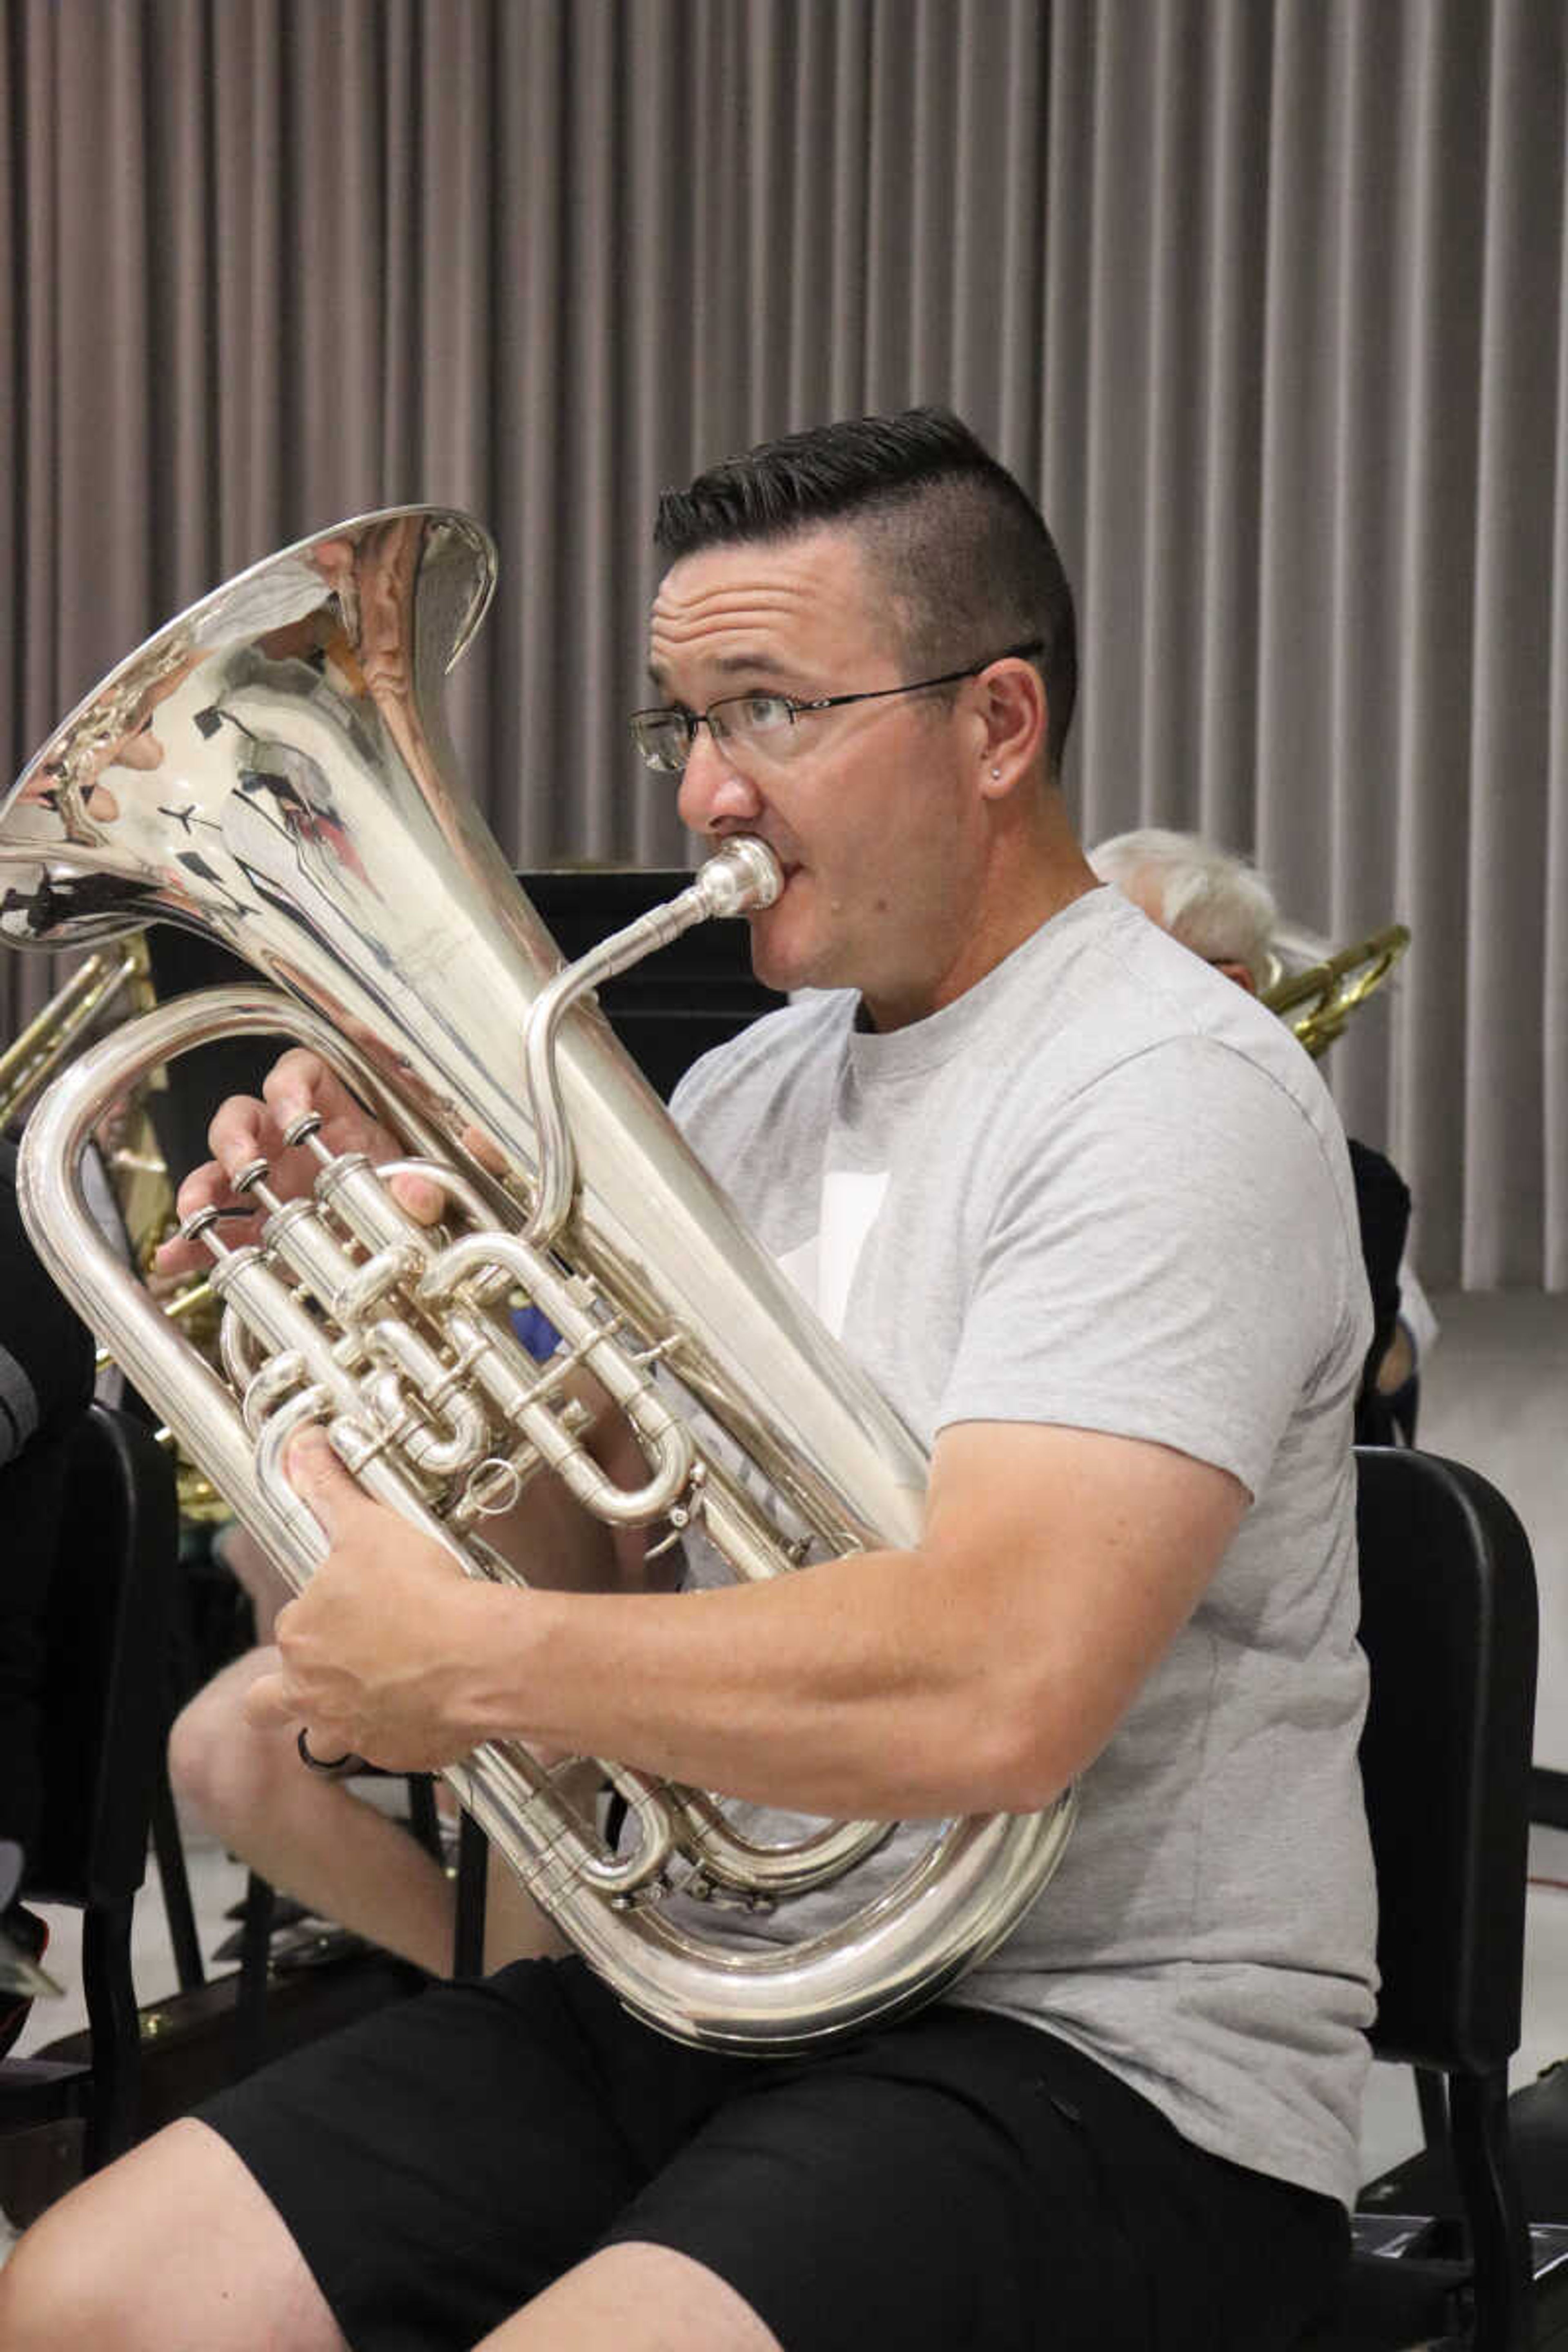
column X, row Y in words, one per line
column 962, row 551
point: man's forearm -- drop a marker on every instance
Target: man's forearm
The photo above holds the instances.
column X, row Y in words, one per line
column 974, row 1672
column 817, row 1692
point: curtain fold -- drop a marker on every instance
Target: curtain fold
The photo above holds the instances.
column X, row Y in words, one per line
column 1263, row 298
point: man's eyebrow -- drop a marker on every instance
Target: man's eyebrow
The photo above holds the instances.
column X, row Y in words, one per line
column 758, row 664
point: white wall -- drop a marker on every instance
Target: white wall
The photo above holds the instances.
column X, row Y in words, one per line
column 1495, row 1395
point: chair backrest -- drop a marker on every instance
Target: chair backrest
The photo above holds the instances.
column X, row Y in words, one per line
column 106, row 1705
column 1448, row 1623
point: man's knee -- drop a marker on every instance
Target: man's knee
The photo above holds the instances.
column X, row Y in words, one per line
column 25, row 2316
column 55, row 2292
column 174, row 2244
column 631, row 2295
column 220, row 1765
column 59, row 2287
column 199, row 1766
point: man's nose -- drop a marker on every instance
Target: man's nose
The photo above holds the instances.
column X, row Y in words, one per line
column 712, row 791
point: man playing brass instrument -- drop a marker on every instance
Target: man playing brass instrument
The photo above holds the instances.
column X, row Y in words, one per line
column 1083, row 1210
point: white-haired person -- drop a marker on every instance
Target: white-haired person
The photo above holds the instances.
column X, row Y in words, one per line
column 1215, row 902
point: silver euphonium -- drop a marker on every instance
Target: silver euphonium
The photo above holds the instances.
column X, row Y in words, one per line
column 272, row 770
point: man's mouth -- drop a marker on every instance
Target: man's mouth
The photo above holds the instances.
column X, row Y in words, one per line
column 787, row 871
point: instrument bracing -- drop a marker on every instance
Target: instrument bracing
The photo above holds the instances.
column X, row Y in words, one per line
column 272, row 768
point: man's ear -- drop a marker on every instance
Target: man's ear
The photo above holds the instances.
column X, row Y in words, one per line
column 1014, row 714
column 1237, row 972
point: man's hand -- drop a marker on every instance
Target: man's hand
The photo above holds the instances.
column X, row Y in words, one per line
column 372, row 1651
column 1396, row 1363
column 244, row 1130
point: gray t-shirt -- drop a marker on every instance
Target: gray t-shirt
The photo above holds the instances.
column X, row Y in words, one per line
column 1104, row 1189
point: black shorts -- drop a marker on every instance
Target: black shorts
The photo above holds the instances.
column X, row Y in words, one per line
column 958, row 2181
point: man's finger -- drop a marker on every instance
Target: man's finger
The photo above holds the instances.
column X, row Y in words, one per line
column 300, row 1080
column 319, row 1478
column 300, row 1083
column 201, row 1188
column 265, row 1704
column 422, row 1200
column 204, row 1188
column 239, row 1130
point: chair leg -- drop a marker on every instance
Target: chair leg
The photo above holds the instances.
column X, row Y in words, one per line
column 1488, row 2187
column 423, row 1819
column 250, row 1993
column 175, row 1885
column 1433, row 2104
column 116, row 2031
column 473, row 1860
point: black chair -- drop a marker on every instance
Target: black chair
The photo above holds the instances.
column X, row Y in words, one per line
column 1448, row 1625
column 106, row 1720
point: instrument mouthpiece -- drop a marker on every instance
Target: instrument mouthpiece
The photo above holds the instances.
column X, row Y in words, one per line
column 742, row 875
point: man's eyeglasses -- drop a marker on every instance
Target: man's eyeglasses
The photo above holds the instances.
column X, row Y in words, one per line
column 766, row 722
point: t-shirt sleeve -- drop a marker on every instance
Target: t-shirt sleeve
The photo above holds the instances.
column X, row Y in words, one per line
column 1168, row 1258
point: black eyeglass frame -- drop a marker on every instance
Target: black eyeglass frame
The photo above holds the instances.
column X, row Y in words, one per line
column 695, row 718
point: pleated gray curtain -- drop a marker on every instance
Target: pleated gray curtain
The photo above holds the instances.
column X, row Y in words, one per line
column 1264, row 298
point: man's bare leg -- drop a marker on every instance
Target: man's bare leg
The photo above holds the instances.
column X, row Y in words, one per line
column 515, row 1926
column 311, row 1838
column 319, row 1842
column 174, row 2248
column 635, row 2298
column 250, row 1788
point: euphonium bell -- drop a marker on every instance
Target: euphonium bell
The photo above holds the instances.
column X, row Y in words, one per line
column 272, row 770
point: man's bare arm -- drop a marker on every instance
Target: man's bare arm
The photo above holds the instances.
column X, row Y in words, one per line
column 977, row 1671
